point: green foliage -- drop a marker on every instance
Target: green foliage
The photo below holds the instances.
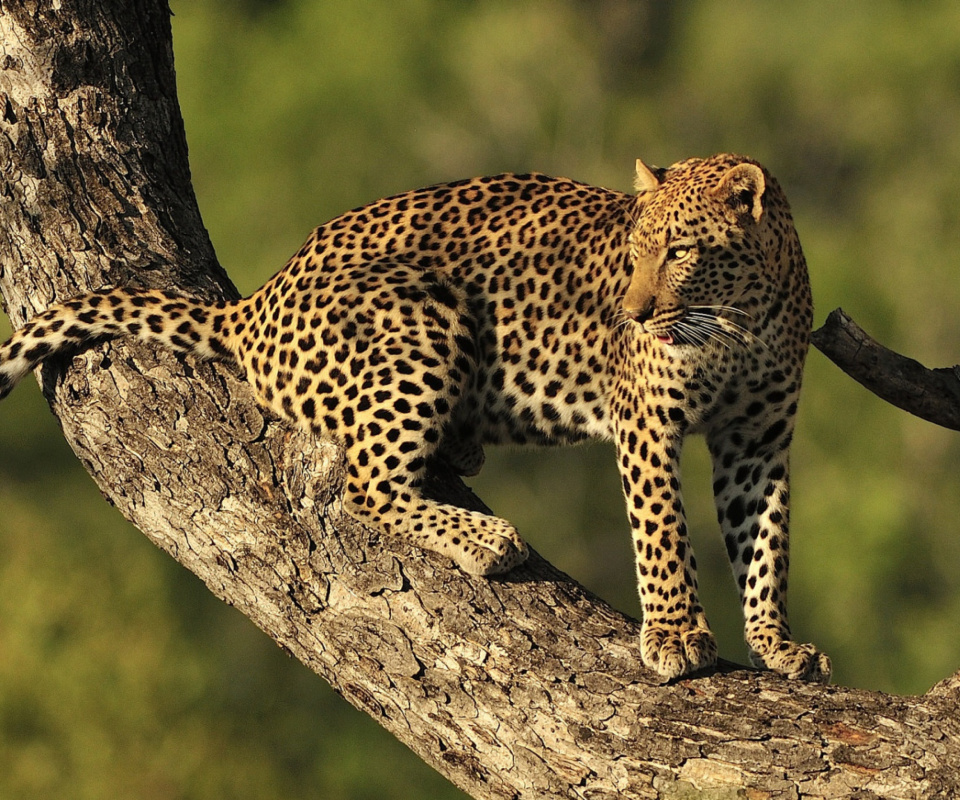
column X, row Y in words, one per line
column 122, row 677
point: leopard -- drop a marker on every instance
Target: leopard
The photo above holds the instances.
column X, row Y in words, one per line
column 524, row 309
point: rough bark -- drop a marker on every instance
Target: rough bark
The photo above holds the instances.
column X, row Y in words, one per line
column 527, row 686
column 932, row 394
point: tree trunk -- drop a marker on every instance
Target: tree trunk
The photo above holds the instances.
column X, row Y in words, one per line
column 526, row 686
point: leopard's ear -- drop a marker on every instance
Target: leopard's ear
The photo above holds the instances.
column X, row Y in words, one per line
column 741, row 190
column 646, row 180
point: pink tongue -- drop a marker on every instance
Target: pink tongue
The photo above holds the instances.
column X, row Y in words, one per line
column 666, row 338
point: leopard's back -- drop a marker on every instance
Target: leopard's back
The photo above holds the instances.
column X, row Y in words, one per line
column 519, row 275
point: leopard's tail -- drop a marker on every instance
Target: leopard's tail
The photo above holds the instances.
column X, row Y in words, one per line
column 179, row 323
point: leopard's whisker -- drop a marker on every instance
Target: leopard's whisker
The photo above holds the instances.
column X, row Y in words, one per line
column 706, row 315
column 728, row 309
column 698, row 334
column 719, row 335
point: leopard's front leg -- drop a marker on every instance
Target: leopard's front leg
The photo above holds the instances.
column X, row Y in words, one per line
column 752, row 490
column 676, row 638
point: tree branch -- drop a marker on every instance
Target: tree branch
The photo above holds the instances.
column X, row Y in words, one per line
column 932, row 394
column 527, row 686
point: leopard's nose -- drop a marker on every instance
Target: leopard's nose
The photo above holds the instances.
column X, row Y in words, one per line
column 642, row 313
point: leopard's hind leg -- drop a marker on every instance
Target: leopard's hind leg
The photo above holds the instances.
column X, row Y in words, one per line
column 382, row 365
column 388, row 448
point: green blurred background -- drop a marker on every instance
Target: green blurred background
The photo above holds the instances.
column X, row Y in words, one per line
column 120, row 676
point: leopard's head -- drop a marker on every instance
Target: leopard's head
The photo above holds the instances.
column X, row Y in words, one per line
column 714, row 254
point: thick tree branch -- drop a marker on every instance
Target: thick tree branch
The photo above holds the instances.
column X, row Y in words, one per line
column 932, row 394
column 526, row 686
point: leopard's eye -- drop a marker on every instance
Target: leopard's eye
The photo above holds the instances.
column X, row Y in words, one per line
column 678, row 253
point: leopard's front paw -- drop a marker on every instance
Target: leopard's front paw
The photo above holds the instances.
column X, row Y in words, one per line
column 676, row 649
column 797, row 661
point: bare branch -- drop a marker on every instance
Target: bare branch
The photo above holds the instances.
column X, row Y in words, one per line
column 932, row 394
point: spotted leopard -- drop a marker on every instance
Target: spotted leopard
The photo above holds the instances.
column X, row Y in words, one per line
column 529, row 309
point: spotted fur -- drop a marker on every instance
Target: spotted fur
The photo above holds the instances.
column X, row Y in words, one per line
column 528, row 309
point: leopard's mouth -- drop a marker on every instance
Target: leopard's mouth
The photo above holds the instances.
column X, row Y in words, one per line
column 698, row 326
column 667, row 326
